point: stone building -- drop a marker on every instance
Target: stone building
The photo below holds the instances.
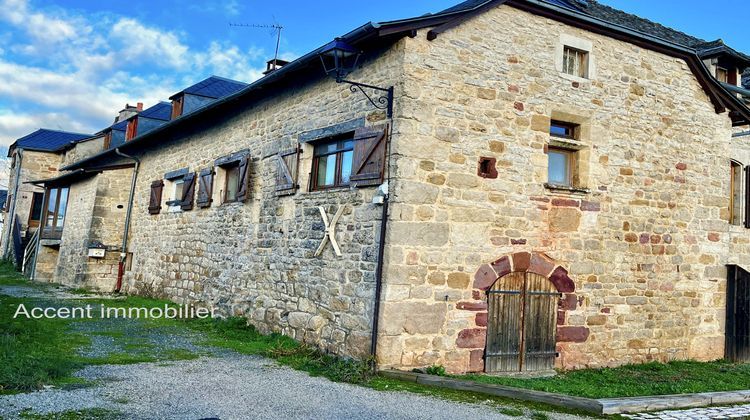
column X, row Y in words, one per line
column 559, row 184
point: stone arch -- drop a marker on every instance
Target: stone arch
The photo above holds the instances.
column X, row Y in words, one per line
column 475, row 338
column 525, row 262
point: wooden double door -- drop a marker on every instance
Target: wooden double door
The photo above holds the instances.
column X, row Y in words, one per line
column 522, row 323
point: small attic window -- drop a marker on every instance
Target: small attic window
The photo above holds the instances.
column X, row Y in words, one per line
column 575, row 62
column 722, row 74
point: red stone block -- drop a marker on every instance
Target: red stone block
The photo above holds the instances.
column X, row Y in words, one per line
column 569, row 302
column 521, row 261
column 541, row 265
column 481, row 319
column 472, row 306
column 513, row 88
column 572, row 334
column 681, row 166
column 560, row 318
column 484, row 278
column 562, row 282
column 476, row 361
column 713, row 237
column 590, row 206
column 645, row 238
column 476, row 295
column 518, row 241
column 501, row 267
column 565, row 202
column 472, row 338
column 518, row 106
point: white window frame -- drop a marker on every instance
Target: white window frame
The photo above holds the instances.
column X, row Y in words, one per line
column 579, row 44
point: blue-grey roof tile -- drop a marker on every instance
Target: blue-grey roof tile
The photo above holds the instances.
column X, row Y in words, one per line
column 160, row 111
column 215, row 87
column 48, row 140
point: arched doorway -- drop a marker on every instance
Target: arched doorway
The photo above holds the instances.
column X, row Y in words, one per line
column 522, row 323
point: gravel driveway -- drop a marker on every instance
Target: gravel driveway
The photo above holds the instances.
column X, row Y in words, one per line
column 236, row 387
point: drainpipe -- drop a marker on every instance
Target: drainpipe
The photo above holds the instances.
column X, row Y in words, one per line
column 379, row 279
column 12, row 212
column 124, row 248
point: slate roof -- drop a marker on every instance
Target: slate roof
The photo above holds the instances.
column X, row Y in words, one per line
column 120, row 126
column 47, row 140
column 160, row 111
column 609, row 14
column 214, row 87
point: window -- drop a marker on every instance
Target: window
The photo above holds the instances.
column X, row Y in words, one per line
column 562, row 154
column 107, row 140
column 37, row 204
column 575, row 62
column 54, row 218
column 176, row 189
column 332, row 163
column 722, row 74
column 560, row 166
column 132, row 129
column 735, row 197
column 177, row 107
column 563, row 130
column 232, row 182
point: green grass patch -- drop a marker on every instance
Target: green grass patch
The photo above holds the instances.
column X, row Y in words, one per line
column 34, row 352
column 683, row 377
column 88, row 414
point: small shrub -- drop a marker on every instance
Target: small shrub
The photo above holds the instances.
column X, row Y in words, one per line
column 437, row 370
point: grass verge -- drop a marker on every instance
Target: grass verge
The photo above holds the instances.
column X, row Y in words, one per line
column 681, row 377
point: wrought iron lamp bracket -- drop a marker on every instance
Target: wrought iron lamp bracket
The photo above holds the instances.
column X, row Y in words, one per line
column 384, row 101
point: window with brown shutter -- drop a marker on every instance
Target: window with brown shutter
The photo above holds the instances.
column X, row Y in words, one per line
column 243, row 178
column 154, row 204
column 205, row 188
column 286, row 172
column 177, row 107
column 188, row 192
column 132, row 130
column 368, row 162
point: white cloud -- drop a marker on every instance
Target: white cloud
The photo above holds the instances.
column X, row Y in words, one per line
column 79, row 71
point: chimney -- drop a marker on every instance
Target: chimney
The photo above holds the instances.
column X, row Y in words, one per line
column 128, row 112
column 275, row 64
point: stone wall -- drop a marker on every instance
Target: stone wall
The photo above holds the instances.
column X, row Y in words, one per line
column 256, row 259
column 83, row 150
column 34, row 166
column 644, row 244
column 96, row 218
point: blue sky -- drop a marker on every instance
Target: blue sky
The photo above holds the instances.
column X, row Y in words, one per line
column 73, row 64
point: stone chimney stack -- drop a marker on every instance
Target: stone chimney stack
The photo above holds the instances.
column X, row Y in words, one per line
column 129, row 111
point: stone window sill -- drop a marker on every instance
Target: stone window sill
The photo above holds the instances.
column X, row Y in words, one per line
column 566, row 189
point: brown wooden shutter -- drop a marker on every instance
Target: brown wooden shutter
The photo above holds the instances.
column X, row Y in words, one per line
column 243, row 191
column 188, row 192
column 154, row 205
column 747, row 197
column 286, row 172
column 368, row 162
column 206, row 187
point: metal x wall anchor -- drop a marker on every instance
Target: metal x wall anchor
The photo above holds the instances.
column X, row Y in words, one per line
column 330, row 231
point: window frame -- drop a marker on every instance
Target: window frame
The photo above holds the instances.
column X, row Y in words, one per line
column 735, row 193
column 570, row 160
column 227, row 167
column 719, row 70
column 339, row 153
column 36, row 197
column 582, row 60
column 572, row 130
column 54, row 232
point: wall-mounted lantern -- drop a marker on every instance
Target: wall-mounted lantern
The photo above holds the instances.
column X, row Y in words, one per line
column 339, row 59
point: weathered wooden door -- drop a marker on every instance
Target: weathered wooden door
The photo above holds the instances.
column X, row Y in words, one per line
column 737, row 334
column 522, row 322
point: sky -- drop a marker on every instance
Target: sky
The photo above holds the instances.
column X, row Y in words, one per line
column 73, row 64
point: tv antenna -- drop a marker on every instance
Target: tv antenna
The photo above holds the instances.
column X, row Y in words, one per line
column 276, row 28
